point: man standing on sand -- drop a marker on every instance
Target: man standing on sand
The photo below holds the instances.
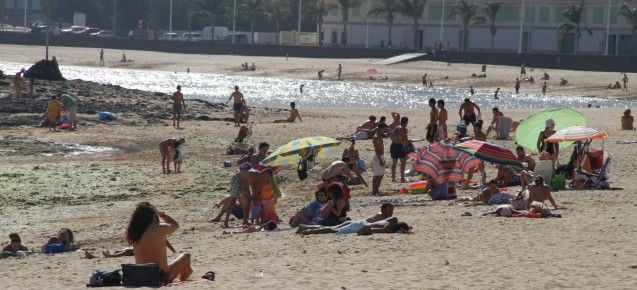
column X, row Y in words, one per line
column 167, row 150
column 399, row 143
column 484, row 68
column 378, row 164
column 147, row 232
column 544, row 89
column 431, row 126
column 625, row 81
column 102, row 57
column 517, row 86
column 179, row 105
column 320, row 74
column 237, row 106
column 339, row 71
column 469, row 108
column 471, row 91
column 424, row 80
column 522, row 71
column 17, row 83
column 495, row 95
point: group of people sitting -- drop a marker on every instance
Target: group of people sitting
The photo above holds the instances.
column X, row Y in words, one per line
column 61, row 112
column 246, row 67
column 61, row 242
column 367, row 129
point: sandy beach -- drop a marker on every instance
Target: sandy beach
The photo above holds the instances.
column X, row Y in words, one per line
column 593, row 245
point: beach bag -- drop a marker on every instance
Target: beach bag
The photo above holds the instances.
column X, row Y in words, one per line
column 141, row 275
column 101, row 278
column 558, row 182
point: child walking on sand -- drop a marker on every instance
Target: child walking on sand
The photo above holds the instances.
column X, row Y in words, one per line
column 179, row 158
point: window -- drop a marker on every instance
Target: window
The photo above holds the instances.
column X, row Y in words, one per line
column 613, row 15
column 544, row 14
column 355, row 11
column 598, row 15
column 509, row 14
column 529, row 14
column 435, row 12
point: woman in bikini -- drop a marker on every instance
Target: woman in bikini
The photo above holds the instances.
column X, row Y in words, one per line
column 552, row 149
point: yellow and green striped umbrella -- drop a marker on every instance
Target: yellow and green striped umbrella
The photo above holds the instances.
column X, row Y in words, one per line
column 291, row 153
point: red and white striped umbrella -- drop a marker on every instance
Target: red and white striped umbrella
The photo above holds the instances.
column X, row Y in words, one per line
column 443, row 163
column 576, row 133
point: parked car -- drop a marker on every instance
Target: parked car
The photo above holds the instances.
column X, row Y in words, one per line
column 169, row 36
column 103, row 33
column 88, row 31
column 73, row 29
column 190, row 36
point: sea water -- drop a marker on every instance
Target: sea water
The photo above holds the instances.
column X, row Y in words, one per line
column 278, row 92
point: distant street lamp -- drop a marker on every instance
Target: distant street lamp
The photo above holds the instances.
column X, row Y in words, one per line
column 170, row 20
column 521, row 27
column 234, row 21
column 299, row 25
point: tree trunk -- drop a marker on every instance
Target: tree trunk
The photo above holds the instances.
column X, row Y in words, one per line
column 415, row 28
column 492, row 35
column 465, row 39
column 320, row 30
column 276, row 23
column 389, row 34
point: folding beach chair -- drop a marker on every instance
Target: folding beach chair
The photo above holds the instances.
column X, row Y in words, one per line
column 595, row 180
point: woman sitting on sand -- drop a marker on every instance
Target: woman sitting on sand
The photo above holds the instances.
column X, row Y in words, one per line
column 311, row 213
column 335, row 212
column 627, row 121
column 62, row 242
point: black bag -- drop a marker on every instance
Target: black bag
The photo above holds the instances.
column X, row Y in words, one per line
column 141, row 275
column 105, row 279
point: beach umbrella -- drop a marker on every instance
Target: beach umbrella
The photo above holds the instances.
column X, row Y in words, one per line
column 489, row 152
column 442, row 162
column 576, row 133
column 293, row 152
column 528, row 131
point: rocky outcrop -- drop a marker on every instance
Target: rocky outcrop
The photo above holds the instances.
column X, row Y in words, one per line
column 45, row 70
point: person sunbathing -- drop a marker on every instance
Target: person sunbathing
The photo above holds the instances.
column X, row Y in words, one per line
column 540, row 192
column 386, row 211
column 147, row 232
column 60, row 243
column 627, row 121
column 294, row 114
column 361, row 227
column 505, row 210
column 15, row 244
column 487, row 193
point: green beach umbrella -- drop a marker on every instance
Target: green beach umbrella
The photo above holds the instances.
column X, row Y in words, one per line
column 528, row 131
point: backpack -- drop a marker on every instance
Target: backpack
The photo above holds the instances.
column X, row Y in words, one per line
column 101, row 278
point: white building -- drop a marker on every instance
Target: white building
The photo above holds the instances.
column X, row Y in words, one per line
column 539, row 33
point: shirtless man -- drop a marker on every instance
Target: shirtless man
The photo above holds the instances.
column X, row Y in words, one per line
column 320, row 74
column 102, row 57
column 17, row 83
column 469, row 108
column 625, row 81
column 522, row 71
column 386, row 211
column 15, row 244
column 471, row 91
column 351, row 157
column 433, row 118
column 540, row 192
column 517, row 86
column 494, row 121
column 495, row 95
column 262, row 154
column 167, row 150
column 179, row 105
column 544, row 89
column 237, row 106
column 399, row 142
column 424, row 80
column 441, row 125
column 147, row 232
column 294, row 114
column 365, row 130
column 378, row 164
column 395, row 121
column 339, row 71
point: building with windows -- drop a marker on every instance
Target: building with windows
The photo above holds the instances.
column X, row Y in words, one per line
column 536, row 32
column 12, row 12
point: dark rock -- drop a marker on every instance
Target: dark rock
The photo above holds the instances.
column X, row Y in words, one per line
column 203, row 118
column 1, row 74
column 46, row 70
column 4, row 83
column 158, row 94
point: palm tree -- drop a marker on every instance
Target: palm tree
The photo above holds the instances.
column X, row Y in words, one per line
column 212, row 8
column 277, row 11
column 345, row 5
column 630, row 14
column 252, row 10
column 468, row 13
column 318, row 10
column 388, row 7
column 491, row 9
column 414, row 9
column 573, row 15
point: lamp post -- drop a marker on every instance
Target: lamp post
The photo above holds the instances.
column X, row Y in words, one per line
column 234, row 21
column 442, row 20
column 298, row 40
column 26, row 3
column 367, row 25
column 170, row 19
column 521, row 26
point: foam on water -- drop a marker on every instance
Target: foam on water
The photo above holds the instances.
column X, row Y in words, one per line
column 277, row 92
